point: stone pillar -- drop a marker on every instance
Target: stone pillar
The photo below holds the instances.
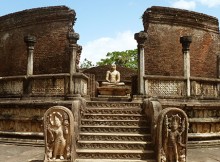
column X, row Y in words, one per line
column 218, row 65
column 186, row 40
column 73, row 47
column 30, row 41
column 141, row 37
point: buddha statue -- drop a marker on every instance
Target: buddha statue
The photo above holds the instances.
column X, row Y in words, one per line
column 112, row 77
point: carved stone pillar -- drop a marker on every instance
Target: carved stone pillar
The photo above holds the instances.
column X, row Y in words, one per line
column 186, row 40
column 141, row 37
column 73, row 47
column 218, row 65
column 78, row 55
column 30, row 41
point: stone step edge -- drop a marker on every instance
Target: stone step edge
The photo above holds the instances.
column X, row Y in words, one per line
column 115, row 134
column 107, row 151
column 112, row 120
column 113, row 160
column 135, row 115
column 105, row 126
column 115, row 142
column 113, row 102
column 113, row 108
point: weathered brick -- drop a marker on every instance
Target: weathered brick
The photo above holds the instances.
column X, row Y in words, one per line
column 50, row 26
column 163, row 50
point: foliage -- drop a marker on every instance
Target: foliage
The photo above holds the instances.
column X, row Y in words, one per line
column 86, row 64
column 126, row 58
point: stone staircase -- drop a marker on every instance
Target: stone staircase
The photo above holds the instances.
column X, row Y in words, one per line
column 111, row 132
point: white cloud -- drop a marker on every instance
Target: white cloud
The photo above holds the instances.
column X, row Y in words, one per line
column 210, row 3
column 183, row 4
column 97, row 49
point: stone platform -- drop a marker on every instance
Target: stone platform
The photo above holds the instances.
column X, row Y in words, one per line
column 28, row 153
column 114, row 90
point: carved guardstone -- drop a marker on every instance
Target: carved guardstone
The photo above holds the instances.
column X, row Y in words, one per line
column 172, row 134
column 59, row 135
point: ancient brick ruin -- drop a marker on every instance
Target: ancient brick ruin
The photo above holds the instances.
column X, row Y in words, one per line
column 173, row 100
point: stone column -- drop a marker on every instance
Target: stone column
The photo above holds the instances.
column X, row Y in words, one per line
column 218, row 65
column 73, row 47
column 141, row 37
column 30, row 41
column 186, row 40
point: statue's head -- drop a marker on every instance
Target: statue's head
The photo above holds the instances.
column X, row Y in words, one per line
column 113, row 67
column 175, row 122
column 56, row 119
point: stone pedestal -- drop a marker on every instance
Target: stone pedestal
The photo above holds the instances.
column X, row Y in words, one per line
column 114, row 91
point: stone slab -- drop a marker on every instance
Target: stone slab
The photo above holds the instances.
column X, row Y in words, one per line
column 17, row 153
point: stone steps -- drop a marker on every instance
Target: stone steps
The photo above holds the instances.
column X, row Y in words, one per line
column 115, row 154
column 112, row 160
column 114, row 131
column 114, row 122
column 111, row 111
column 112, row 145
column 115, row 137
column 115, row 116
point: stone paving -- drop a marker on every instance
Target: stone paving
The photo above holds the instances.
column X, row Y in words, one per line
column 18, row 153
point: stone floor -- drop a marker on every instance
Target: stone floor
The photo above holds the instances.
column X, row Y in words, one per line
column 18, row 153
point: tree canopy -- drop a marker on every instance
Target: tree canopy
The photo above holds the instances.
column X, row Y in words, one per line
column 126, row 58
column 86, row 64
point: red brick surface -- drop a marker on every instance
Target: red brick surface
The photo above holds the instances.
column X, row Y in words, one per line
column 163, row 50
column 50, row 27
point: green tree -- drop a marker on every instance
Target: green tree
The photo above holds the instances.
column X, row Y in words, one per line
column 86, row 64
column 126, row 58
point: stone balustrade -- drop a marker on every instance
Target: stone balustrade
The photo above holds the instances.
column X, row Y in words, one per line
column 45, row 85
column 175, row 87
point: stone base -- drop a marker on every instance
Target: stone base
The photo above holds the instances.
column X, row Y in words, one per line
column 114, row 91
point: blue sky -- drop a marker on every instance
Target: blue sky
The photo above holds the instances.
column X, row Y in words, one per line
column 109, row 25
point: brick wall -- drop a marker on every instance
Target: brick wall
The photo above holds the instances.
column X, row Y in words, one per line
column 163, row 50
column 50, row 26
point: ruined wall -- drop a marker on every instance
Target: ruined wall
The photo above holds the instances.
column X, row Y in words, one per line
column 50, row 26
column 163, row 50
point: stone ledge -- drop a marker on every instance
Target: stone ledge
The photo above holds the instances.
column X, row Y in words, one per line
column 114, row 90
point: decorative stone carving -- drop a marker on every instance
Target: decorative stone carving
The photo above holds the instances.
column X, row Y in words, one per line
column 141, row 37
column 59, row 134
column 78, row 55
column 172, row 135
column 165, row 88
column 186, row 41
column 152, row 108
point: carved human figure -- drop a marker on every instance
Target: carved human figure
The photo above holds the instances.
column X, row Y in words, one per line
column 173, row 139
column 113, row 77
column 57, row 131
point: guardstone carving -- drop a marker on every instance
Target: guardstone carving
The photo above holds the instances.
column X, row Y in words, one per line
column 172, row 135
column 58, row 133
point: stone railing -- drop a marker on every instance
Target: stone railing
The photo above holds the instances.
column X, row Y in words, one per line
column 175, row 87
column 205, row 87
column 165, row 86
column 45, row 85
